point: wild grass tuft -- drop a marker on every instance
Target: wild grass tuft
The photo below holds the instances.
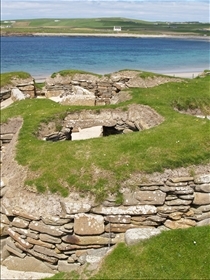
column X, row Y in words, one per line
column 6, row 78
column 72, row 72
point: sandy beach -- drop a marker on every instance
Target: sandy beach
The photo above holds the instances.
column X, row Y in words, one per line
column 126, row 35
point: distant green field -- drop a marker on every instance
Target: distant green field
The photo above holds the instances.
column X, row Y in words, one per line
column 103, row 25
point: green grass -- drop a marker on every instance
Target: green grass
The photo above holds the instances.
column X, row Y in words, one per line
column 171, row 255
column 104, row 25
column 175, row 254
column 100, row 165
column 6, row 78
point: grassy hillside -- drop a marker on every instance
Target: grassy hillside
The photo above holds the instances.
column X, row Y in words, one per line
column 103, row 25
column 176, row 254
column 99, row 165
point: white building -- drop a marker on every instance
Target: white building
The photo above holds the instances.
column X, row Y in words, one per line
column 117, row 28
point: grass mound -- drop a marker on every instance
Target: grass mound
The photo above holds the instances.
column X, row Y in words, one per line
column 6, row 78
column 99, row 165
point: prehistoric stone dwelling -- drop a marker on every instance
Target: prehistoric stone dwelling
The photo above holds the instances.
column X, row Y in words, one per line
column 47, row 232
column 82, row 89
column 50, row 233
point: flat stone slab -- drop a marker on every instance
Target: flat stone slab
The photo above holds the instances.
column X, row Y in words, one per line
column 133, row 236
column 123, row 210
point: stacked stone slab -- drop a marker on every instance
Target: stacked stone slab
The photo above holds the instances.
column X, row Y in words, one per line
column 83, row 232
column 18, row 89
column 92, row 89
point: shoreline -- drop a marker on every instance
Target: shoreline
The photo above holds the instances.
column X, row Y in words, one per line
column 117, row 35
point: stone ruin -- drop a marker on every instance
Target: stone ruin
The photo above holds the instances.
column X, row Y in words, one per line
column 83, row 88
column 92, row 89
column 49, row 233
column 104, row 122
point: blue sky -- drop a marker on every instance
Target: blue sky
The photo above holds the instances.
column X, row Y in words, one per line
column 151, row 10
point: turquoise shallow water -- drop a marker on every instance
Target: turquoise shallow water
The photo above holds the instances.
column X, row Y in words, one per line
column 42, row 56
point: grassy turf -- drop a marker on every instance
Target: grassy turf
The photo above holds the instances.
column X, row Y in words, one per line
column 72, row 72
column 99, row 165
column 6, row 78
column 176, row 254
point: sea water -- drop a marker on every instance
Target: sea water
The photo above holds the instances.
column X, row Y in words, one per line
column 42, row 56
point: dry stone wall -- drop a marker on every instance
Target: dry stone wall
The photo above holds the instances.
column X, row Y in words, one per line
column 83, row 232
column 18, row 89
column 82, row 89
column 90, row 89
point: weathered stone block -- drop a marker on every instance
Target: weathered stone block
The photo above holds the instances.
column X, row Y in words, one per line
column 49, row 238
column 201, row 198
column 119, row 227
column 76, row 207
column 178, row 202
column 203, row 208
column 182, row 223
column 41, row 227
column 176, row 215
column 21, row 231
column 203, row 188
column 72, row 247
column 121, row 219
column 205, row 222
column 7, row 136
column 165, row 209
column 27, row 264
column 202, row 179
column 49, row 252
column 40, row 243
column 55, row 220
column 20, row 240
column 15, row 251
column 23, row 214
column 183, row 190
column 203, row 216
column 150, row 197
column 88, row 224
column 123, row 210
column 26, row 232
column 65, row 266
column 181, row 179
column 156, row 218
column 88, row 240
column 10, row 242
column 187, row 196
column 17, row 222
column 149, row 188
column 4, row 219
column 138, row 218
column 26, row 87
column 179, row 184
column 171, row 197
column 133, row 236
column 43, row 257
